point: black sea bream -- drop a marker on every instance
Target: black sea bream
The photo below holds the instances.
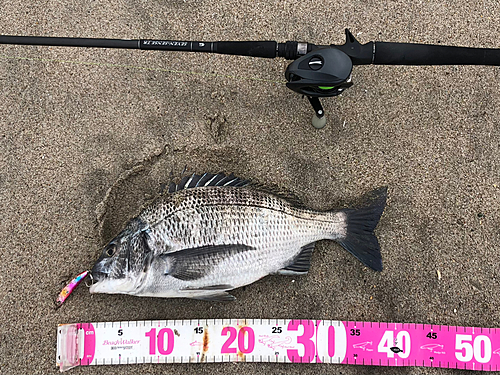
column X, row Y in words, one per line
column 214, row 233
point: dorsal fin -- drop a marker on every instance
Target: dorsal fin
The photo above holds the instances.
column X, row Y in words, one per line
column 279, row 192
column 220, row 179
column 207, row 179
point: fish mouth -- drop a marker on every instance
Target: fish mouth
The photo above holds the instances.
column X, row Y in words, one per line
column 97, row 275
column 110, row 285
column 100, row 271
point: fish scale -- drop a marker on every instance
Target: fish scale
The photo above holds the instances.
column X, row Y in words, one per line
column 208, row 217
column 259, row 228
column 202, row 239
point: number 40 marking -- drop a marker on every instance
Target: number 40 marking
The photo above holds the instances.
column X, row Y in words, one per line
column 386, row 344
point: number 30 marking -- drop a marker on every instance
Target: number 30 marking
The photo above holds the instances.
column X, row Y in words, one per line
column 304, row 339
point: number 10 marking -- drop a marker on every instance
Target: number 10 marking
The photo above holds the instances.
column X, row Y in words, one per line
column 161, row 341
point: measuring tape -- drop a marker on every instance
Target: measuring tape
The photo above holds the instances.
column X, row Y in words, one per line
column 277, row 340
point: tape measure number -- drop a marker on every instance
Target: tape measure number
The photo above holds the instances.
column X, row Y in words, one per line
column 277, row 340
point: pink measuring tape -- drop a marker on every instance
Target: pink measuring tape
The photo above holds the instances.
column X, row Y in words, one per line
column 278, row 340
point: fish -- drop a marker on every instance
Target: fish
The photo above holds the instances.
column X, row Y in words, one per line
column 212, row 233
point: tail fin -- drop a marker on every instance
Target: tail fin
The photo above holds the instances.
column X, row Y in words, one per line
column 360, row 240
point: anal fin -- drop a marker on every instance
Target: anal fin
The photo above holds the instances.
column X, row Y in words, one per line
column 301, row 263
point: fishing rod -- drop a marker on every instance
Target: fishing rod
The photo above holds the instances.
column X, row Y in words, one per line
column 317, row 71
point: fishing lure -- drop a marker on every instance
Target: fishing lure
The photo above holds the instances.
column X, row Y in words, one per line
column 68, row 289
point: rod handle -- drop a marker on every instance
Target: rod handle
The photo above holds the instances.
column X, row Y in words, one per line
column 429, row 54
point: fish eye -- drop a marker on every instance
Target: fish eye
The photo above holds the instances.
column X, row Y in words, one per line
column 110, row 251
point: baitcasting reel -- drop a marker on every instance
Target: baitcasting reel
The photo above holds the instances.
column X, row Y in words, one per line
column 321, row 73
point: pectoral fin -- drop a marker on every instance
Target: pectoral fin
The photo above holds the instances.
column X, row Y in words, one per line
column 196, row 263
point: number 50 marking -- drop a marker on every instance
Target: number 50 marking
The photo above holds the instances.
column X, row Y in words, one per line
column 480, row 350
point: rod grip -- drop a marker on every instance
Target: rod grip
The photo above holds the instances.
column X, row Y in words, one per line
column 267, row 49
column 429, row 54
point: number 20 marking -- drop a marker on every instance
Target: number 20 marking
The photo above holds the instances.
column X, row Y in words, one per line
column 244, row 331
